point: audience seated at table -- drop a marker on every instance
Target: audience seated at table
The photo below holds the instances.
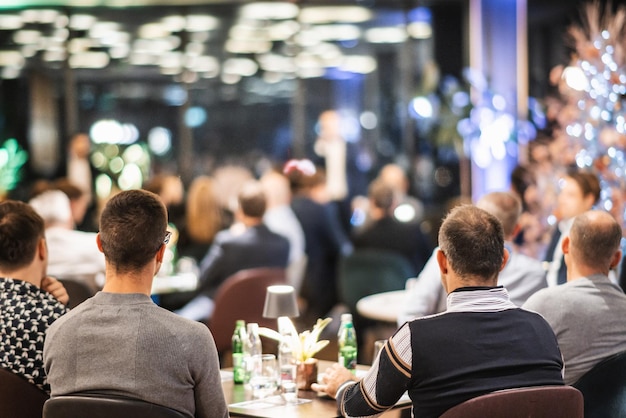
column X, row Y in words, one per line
column 394, row 176
column 30, row 301
column 587, row 313
column 203, row 219
column 72, row 254
column 247, row 244
column 280, row 219
column 481, row 344
column 385, row 232
column 522, row 276
column 119, row 342
column 325, row 241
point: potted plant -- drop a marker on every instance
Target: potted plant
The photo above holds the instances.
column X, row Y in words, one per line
column 303, row 346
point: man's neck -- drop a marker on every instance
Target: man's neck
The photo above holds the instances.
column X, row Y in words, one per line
column 29, row 274
column 131, row 282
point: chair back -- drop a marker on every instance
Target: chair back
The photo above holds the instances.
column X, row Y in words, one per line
column 18, row 397
column 242, row 296
column 77, row 290
column 367, row 272
column 604, row 388
column 530, row 402
column 95, row 406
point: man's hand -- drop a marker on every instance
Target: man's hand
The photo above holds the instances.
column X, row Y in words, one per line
column 332, row 379
column 56, row 289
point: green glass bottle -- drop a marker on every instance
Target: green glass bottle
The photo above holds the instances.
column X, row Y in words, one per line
column 239, row 338
column 347, row 343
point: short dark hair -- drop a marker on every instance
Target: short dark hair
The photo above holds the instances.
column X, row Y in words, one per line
column 587, row 181
column 382, row 195
column 473, row 242
column 595, row 237
column 132, row 228
column 252, row 200
column 21, row 228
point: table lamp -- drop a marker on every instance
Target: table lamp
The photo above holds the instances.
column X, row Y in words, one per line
column 281, row 303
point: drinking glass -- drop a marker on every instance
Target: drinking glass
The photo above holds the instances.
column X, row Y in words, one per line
column 264, row 376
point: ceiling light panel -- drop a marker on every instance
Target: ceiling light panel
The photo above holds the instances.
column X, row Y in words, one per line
column 330, row 14
column 269, row 11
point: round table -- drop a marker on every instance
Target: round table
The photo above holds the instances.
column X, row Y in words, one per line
column 382, row 306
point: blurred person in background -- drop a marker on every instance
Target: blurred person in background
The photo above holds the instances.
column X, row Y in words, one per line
column 385, row 232
column 325, row 241
column 247, row 244
column 72, row 254
column 280, row 219
column 580, row 190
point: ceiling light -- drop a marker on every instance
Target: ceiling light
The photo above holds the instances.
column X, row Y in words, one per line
column 119, row 51
column 269, row 10
column 55, row 55
column 246, row 32
column 10, row 73
column 387, row 35
column 26, row 37
column 360, row 64
column 204, row 64
column 240, row 66
column 201, row 23
column 153, row 31
column 172, row 60
column 89, row 59
column 236, row 46
column 337, row 32
column 283, row 30
column 142, row 58
column 276, row 63
column 11, row 59
column 103, row 29
column 81, row 21
column 420, row 30
column 175, row 23
column 329, row 14
column 78, row 45
column 10, row 22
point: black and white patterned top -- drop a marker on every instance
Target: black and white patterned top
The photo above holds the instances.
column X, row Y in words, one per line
column 26, row 312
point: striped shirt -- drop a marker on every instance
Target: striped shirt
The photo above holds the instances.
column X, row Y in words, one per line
column 463, row 350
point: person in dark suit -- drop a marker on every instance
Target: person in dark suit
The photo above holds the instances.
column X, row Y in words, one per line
column 385, row 232
column 248, row 244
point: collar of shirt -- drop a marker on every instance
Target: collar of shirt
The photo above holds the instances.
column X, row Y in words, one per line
column 479, row 299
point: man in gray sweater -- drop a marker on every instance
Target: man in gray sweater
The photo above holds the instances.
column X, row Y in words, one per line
column 119, row 342
column 587, row 313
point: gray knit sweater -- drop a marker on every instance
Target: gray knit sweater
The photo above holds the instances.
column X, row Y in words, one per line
column 125, row 345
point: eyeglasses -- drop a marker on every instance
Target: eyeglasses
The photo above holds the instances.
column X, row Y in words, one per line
column 168, row 235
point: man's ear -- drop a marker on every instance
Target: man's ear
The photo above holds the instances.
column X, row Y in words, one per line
column 99, row 242
column 42, row 249
column 160, row 253
column 442, row 261
column 565, row 245
column 505, row 258
column 617, row 257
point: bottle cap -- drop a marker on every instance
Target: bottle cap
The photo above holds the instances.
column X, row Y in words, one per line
column 346, row 317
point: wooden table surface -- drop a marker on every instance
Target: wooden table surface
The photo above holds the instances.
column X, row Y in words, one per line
column 318, row 407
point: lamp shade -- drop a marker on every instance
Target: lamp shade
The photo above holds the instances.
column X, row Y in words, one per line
column 280, row 300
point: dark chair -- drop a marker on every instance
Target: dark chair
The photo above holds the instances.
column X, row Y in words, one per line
column 77, row 290
column 604, row 388
column 96, row 406
column 18, row 397
column 242, row 296
column 366, row 272
column 530, row 402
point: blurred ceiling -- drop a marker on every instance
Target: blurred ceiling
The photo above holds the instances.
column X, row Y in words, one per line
column 194, row 40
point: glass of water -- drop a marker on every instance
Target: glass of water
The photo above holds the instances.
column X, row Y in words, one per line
column 264, row 375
